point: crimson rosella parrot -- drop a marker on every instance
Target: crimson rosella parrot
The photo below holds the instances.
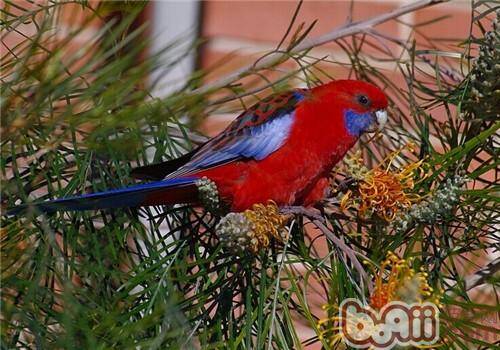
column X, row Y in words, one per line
column 281, row 149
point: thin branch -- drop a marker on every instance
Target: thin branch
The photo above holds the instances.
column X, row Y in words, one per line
column 319, row 221
column 348, row 251
column 307, row 44
column 310, row 213
column 482, row 276
column 193, row 136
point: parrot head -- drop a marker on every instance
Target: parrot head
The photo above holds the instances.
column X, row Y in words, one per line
column 361, row 106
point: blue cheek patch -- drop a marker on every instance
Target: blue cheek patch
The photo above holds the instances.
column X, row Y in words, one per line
column 356, row 123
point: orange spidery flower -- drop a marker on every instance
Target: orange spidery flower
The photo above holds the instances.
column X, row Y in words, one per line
column 403, row 283
column 385, row 192
column 384, row 292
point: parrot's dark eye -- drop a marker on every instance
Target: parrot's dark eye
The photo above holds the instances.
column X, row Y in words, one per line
column 363, row 100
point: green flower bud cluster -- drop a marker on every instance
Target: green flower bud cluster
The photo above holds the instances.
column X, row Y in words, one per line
column 252, row 230
column 434, row 208
column 484, row 100
column 208, row 194
column 236, row 233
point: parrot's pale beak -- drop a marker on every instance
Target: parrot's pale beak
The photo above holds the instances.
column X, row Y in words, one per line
column 381, row 116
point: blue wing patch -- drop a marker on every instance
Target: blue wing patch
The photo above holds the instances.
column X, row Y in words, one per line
column 256, row 142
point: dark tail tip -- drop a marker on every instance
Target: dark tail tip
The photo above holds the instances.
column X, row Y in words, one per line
column 18, row 209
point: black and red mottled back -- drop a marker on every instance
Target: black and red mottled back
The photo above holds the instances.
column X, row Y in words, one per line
column 268, row 108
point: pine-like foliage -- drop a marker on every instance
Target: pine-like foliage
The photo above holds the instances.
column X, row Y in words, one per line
column 164, row 277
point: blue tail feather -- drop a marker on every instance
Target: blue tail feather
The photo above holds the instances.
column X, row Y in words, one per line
column 133, row 196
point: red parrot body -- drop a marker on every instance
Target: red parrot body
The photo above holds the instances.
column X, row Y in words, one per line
column 289, row 175
column 296, row 174
column 281, row 149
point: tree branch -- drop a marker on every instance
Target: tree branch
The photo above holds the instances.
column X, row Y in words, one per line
column 348, row 251
column 481, row 277
column 320, row 222
column 348, row 29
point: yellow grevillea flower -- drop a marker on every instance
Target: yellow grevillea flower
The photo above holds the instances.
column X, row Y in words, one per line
column 267, row 223
column 383, row 190
column 329, row 327
column 402, row 283
column 253, row 229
